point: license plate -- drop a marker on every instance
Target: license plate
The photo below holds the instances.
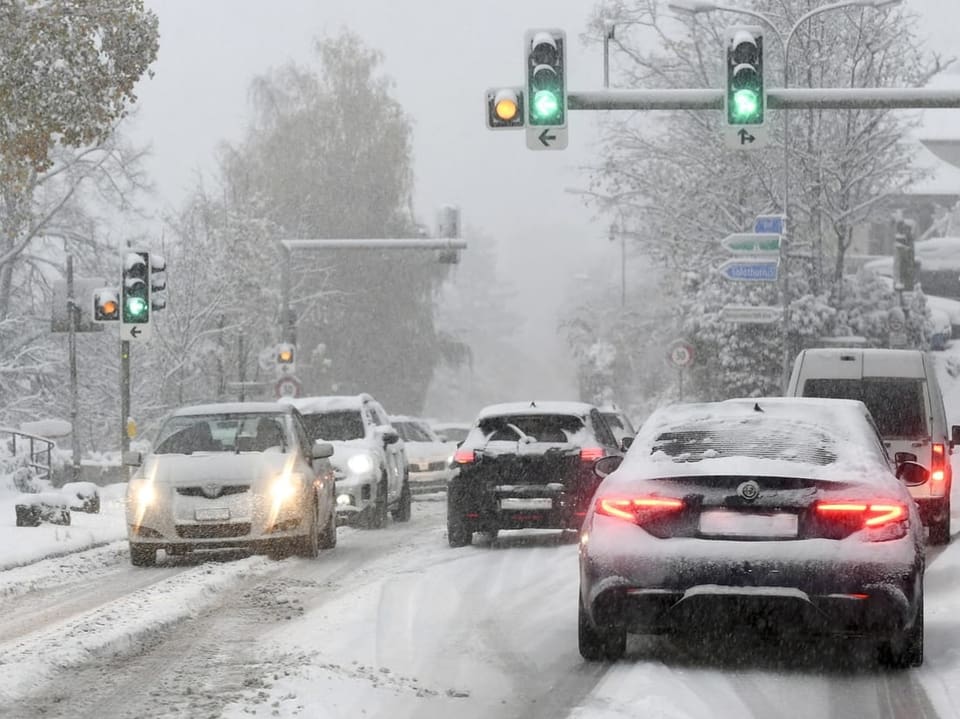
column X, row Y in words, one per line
column 533, row 503
column 726, row 523
column 212, row 515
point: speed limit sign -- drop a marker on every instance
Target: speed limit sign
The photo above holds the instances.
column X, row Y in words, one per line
column 288, row 386
column 680, row 354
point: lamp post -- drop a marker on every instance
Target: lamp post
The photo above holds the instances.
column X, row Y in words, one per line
column 694, row 7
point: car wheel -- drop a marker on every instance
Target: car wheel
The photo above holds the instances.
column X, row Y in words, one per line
column 142, row 555
column 328, row 537
column 402, row 512
column 597, row 645
column 940, row 530
column 378, row 513
column 308, row 546
column 905, row 649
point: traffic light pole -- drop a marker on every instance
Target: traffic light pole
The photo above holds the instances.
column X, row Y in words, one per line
column 124, row 394
column 73, row 316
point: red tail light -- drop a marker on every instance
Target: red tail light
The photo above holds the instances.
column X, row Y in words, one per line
column 464, row 456
column 591, row 454
column 867, row 515
column 938, row 465
column 637, row 509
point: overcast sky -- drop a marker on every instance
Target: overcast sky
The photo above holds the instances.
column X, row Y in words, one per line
column 442, row 55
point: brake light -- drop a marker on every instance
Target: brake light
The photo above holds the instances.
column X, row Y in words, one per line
column 938, row 463
column 637, row 509
column 865, row 515
column 590, row 454
column 464, row 456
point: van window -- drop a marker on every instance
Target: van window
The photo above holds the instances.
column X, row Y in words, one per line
column 896, row 404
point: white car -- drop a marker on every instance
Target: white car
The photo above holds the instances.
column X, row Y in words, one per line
column 429, row 458
column 369, row 458
column 451, row 432
column 231, row 475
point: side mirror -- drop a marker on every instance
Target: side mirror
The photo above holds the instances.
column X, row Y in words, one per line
column 606, row 465
column 388, row 434
column 132, row 458
column 322, row 450
column 626, row 443
column 901, row 457
column 912, row 474
column 954, row 436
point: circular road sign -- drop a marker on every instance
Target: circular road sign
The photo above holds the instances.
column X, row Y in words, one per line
column 680, row 353
column 288, row 387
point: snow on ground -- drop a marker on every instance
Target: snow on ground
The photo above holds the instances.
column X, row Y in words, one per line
column 22, row 545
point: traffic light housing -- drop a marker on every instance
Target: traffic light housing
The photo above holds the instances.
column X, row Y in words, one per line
column 158, row 283
column 505, row 109
column 135, row 289
column 746, row 98
column 546, row 96
column 106, row 304
column 285, row 354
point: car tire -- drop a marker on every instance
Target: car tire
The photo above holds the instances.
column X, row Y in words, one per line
column 403, row 510
column 597, row 645
column 458, row 534
column 905, row 649
column 940, row 530
column 328, row 537
column 143, row 555
column 308, row 546
column 377, row 512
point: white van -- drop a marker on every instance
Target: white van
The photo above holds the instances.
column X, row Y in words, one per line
column 901, row 391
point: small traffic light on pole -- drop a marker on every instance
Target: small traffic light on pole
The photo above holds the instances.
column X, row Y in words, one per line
column 135, row 289
column 546, row 78
column 745, row 98
column 505, row 108
column 106, row 304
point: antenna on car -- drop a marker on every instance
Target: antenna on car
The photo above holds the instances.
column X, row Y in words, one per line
column 533, row 403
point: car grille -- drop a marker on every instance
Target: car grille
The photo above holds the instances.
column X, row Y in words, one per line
column 220, row 491
column 428, row 467
column 213, row 531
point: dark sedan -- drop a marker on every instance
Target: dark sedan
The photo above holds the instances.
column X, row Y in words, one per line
column 771, row 515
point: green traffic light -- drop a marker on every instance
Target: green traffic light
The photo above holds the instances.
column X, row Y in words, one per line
column 546, row 105
column 136, row 306
column 746, row 104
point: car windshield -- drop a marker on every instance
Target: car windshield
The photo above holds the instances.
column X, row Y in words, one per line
column 412, row 432
column 338, row 426
column 896, row 404
column 240, row 432
column 541, row 427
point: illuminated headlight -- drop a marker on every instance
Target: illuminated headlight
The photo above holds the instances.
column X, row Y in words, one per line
column 344, row 500
column 360, row 463
column 142, row 492
column 284, row 487
column 450, row 461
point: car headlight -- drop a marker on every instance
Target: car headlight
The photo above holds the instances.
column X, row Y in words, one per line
column 142, row 492
column 285, row 486
column 360, row 463
column 344, row 500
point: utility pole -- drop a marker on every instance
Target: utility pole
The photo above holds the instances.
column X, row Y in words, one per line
column 73, row 316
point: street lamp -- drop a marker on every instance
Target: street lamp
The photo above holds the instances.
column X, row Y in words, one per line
column 694, row 7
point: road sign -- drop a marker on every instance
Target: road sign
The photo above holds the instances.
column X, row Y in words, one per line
column 752, row 243
column 135, row 332
column 751, row 314
column 769, row 224
column 547, row 138
column 680, row 354
column 745, row 138
column 288, row 386
column 750, row 270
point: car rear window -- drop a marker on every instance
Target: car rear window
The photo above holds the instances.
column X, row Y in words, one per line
column 541, row 427
column 896, row 403
column 766, row 439
column 334, row 426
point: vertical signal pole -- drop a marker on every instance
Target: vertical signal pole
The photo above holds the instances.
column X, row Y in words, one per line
column 73, row 312
column 124, row 394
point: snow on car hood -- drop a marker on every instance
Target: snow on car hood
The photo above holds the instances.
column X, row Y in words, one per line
column 199, row 468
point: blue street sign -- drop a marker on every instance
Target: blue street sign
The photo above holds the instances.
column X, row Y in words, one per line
column 772, row 224
column 751, row 270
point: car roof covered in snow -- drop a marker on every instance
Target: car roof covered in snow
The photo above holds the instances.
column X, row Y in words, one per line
column 408, row 418
column 330, row 403
column 579, row 409
column 234, row 408
column 774, row 436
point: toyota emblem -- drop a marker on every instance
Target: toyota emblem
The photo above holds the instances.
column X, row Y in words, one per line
column 749, row 490
column 211, row 491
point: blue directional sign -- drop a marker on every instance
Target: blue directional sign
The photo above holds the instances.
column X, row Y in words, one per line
column 751, row 270
column 772, row 224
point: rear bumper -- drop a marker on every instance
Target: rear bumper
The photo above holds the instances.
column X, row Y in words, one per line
column 535, row 509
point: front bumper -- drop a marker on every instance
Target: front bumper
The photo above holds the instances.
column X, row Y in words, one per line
column 835, row 587
column 359, row 491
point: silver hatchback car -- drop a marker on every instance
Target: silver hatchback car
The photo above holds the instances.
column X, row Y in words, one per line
column 232, row 475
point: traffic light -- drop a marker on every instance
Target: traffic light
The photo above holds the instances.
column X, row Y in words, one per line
column 746, row 99
column 106, row 304
column 136, row 288
column 505, row 108
column 285, row 354
column 546, row 77
column 158, row 284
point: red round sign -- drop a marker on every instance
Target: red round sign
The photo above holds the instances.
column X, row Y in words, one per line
column 680, row 353
column 288, row 387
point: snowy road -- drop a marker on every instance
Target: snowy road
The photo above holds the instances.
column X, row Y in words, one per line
column 394, row 623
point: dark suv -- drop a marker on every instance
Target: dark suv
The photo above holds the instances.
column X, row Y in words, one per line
column 527, row 465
